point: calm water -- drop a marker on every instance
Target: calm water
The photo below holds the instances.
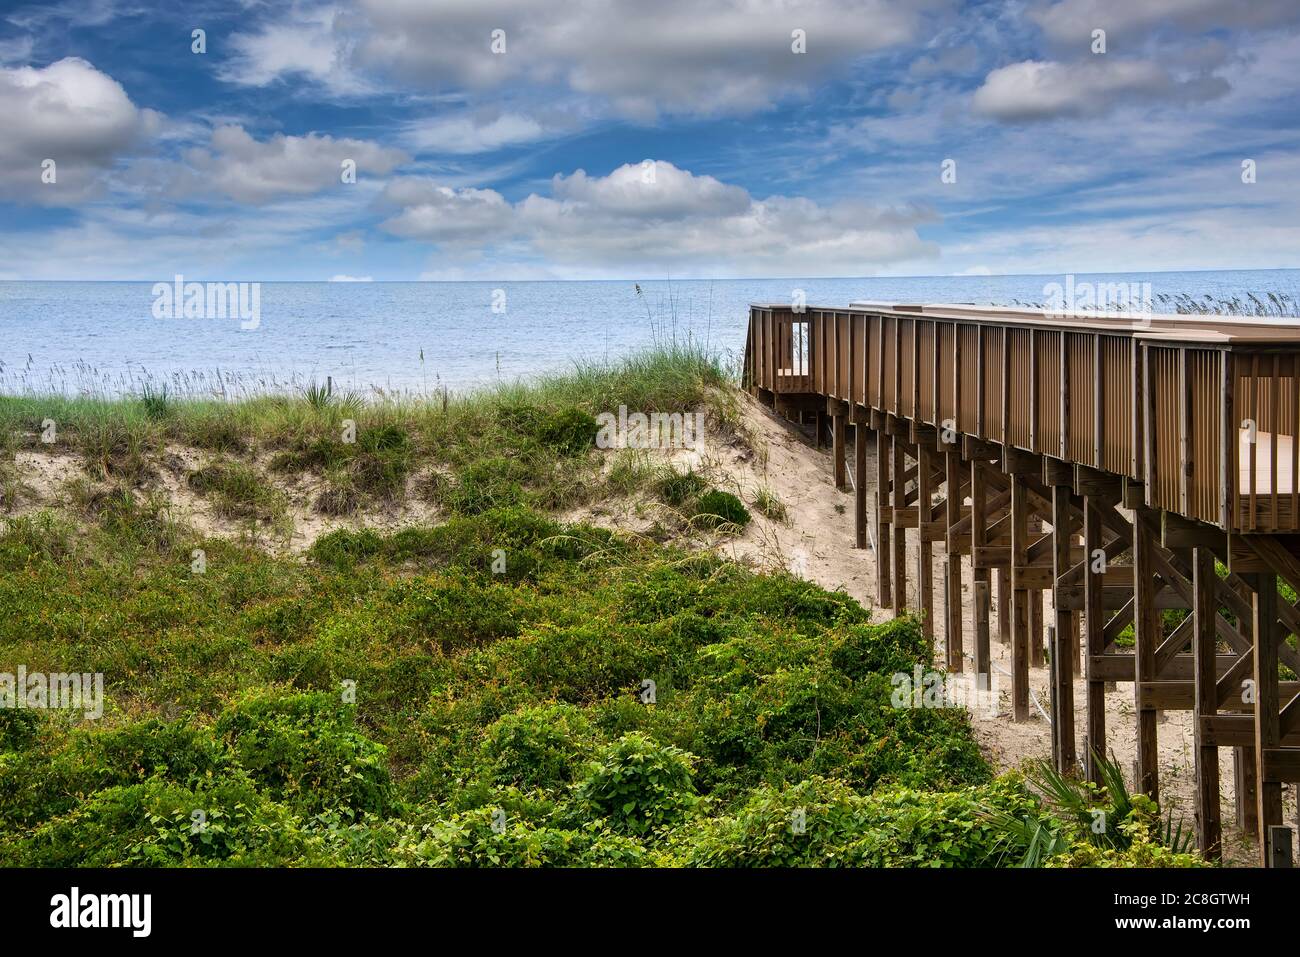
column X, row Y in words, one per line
column 415, row 337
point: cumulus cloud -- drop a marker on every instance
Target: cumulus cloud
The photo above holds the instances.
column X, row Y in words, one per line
column 1041, row 90
column 261, row 171
column 655, row 216
column 442, row 214
column 71, row 113
column 686, row 56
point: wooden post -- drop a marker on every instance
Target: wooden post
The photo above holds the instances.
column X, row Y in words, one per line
column 884, row 553
column 952, row 563
column 1205, row 705
column 1004, row 606
column 1094, row 635
column 860, row 485
column 1062, row 631
column 837, row 450
column 1036, row 659
column 1020, row 598
column 1054, row 699
column 1268, row 729
column 924, row 548
column 900, row 531
column 978, row 537
column 1146, row 638
column 1279, row 846
column 1243, row 771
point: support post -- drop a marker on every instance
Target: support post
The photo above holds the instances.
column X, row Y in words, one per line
column 900, row 532
column 983, row 663
column 837, row 450
column 1094, row 625
column 1020, row 597
column 1146, row 638
column 924, row 548
column 1036, row 659
column 1004, row 606
column 884, row 552
column 860, row 485
column 1208, row 828
column 1062, row 631
column 1268, row 729
column 952, row 563
column 1279, row 846
column 978, row 537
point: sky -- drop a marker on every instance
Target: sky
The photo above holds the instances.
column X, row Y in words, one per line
column 597, row 139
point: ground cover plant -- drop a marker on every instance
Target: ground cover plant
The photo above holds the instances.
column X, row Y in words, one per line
column 497, row 688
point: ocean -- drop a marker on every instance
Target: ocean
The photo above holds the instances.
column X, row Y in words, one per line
column 106, row 338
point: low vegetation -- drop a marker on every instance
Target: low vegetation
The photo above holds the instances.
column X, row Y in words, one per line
column 498, row 688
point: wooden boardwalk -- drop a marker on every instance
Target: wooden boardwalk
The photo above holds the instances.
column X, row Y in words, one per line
column 1130, row 465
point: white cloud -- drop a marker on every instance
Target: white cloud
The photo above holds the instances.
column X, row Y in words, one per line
column 71, row 113
column 260, row 171
column 343, row 278
column 466, row 134
column 310, row 43
column 1072, row 21
column 445, row 215
column 682, row 56
column 1040, row 90
column 643, row 218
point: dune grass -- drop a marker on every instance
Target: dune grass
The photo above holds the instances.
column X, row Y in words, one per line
column 512, row 443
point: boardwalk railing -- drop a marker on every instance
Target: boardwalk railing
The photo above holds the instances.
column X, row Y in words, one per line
column 1141, row 469
column 1203, row 414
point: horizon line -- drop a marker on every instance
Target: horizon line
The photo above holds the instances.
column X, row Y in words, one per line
column 1010, row 275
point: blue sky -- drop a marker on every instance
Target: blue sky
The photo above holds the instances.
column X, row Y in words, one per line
column 625, row 139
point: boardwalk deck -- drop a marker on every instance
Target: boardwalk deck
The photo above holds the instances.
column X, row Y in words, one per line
column 1129, row 464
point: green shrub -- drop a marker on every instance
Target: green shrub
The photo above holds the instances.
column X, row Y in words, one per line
column 888, row 648
column 343, row 547
column 825, row 823
column 19, row 728
column 479, row 839
column 717, row 508
column 305, row 750
column 490, row 483
column 173, row 750
column 638, row 785
column 538, row 747
column 160, row 824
